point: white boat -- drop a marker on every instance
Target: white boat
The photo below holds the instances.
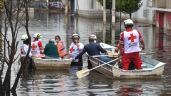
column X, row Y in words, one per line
column 52, row 64
column 150, row 68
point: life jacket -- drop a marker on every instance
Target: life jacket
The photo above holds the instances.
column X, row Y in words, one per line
column 35, row 50
column 131, row 41
column 61, row 49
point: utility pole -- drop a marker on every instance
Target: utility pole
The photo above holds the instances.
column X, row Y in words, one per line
column 113, row 22
column 104, row 12
column 104, row 20
column 113, row 12
column 66, row 3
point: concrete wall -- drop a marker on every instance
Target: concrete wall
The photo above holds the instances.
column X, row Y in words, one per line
column 144, row 14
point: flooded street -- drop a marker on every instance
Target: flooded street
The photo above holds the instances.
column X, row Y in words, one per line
column 59, row 83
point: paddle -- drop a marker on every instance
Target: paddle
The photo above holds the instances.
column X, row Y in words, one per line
column 149, row 53
column 85, row 72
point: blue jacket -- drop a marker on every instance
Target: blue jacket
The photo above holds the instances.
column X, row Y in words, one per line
column 92, row 49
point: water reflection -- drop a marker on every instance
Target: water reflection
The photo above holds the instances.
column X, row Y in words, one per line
column 130, row 90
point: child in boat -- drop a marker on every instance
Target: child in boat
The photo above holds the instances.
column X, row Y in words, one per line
column 50, row 50
column 60, row 46
column 75, row 48
column 130, row 45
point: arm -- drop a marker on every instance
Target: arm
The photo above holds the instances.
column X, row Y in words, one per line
column 101, row 49
column 80, row 54
column 121, row 43
column 142, row 44
column 40, row 46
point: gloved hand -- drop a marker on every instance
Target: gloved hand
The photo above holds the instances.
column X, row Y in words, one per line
column 143, row 47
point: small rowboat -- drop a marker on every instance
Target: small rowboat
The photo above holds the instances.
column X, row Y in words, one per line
column 150, row 67
column 52, row 64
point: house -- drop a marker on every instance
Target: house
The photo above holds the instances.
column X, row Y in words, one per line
column 162, row 13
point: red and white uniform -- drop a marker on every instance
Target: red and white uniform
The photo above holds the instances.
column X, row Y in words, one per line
column 130, row 39
column 35, row 49
column 23, row 50
column 74, row 50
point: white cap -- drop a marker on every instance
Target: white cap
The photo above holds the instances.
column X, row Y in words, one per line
column 128, row 22
column 24, row 37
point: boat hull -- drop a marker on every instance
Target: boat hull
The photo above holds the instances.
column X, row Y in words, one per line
column 155, row 70
column 52, row 64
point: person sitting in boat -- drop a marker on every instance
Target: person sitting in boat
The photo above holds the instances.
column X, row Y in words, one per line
column 92, row 49
column 60, row 45
column 36, row 46
column 24, row 49
column 50, row 50
column 25, row 46
column 130, row 45
column 75, row 48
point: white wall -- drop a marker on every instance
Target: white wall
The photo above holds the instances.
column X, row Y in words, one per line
column 144, row 14
column 88, row 4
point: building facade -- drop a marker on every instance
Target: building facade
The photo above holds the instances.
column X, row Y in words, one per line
column 162, row 13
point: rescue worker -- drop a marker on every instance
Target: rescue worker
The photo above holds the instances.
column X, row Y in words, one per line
column 50, row 50
column 75, row 48
column 36, row 46
column 23, row 52
column 92, row 49
column 130, row 44
column 25, row 46
column 60, row 46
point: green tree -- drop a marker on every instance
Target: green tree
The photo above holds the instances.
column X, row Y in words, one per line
column 126, row 6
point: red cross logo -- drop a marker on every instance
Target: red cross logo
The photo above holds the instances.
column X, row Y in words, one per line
column 71, row 49
column 33, row 46
column 132, row 37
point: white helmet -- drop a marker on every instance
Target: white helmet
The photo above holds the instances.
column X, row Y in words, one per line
column 128, row 22
column 24, row 37
column 37, row 35
column 75, row 36
column 93, row 37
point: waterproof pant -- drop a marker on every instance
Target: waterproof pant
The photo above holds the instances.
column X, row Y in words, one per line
column 134, row 57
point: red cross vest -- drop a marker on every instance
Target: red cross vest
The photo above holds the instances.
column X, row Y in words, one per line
column 35, row 48
column 131, row 41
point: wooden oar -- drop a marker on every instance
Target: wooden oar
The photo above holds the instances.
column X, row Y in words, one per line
column 85, row 72
column 149, row 53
